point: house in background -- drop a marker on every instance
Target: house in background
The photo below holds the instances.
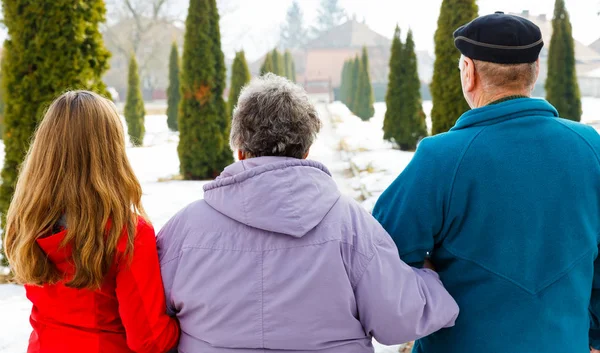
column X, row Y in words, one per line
column 586, row 57
column 325, row 57
column 319, row 64
column 589, row 80
column 154, row 48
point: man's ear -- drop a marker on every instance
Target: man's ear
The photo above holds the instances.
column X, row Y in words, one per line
column 241, row 155
column 470, row 78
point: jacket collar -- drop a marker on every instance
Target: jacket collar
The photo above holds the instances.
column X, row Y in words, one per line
column 512, row 109
column 242, row 170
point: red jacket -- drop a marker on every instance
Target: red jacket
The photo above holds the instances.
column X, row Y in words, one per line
column 128, row 314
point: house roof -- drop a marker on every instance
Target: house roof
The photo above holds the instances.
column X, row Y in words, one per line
column 351, row 34
column 326, row 64
column 299, row 56
column 595, row 45
column 583, row 53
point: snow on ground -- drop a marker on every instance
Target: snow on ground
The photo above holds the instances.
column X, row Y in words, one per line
column 591, row 110
column 14, row 324
column 374, row 162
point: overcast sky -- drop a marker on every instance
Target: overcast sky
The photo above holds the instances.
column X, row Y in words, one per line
column 254, row 24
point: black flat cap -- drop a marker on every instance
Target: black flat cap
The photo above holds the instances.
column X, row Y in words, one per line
column 500, row 38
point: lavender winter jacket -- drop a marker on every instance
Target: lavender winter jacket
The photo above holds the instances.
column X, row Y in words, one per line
column 274, row 258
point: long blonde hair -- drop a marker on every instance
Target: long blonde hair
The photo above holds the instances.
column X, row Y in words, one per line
column 77, row 167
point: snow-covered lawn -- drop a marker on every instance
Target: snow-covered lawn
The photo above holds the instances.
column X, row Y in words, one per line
column 374, row 162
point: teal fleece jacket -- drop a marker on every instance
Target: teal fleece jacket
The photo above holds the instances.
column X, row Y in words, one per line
column 507, row 204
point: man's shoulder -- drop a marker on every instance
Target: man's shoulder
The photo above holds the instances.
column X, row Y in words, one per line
column 583, row 130
column 585, row 133
column 445, row 149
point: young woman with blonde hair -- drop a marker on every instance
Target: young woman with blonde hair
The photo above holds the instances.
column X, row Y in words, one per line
column 77, row 237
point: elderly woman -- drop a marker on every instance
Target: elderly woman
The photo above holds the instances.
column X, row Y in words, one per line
column 274, row 258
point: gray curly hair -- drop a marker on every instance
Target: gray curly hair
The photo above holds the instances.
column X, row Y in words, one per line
column 274, row 117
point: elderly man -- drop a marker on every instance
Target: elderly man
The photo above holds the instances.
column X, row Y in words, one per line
column 506, row 206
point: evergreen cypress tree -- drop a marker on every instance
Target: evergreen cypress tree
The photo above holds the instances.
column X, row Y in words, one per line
column 2, row 105
column 202, row 140
column 348, row 97
column 275, row 59
column 412, row 126
column 353, row 84
column 344, row 82
column 38, row 65
column 173, row 92
column 267, row 65
column 134, row 106
column 240, row 76
column 226, row 155
column 278, row 63
column 290, row 69
column 562, row 88
column 393, row 96
column 364, row 94
column 446, row 90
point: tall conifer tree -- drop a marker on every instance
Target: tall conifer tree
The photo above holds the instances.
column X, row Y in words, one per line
column 278, row 64
column 203, row 118
column 412, row 126
column 267, row 65
column 344, row 82
column 38, row 65
column 393, row 96
column 134, row 106
column 448, row 101
column 173, row 91
column 562, row 88
column 225, row 153
column 290, row 68
column 353, row 84
column 348, row 83
column 293, row 70
column 364, row 93
column 240, row 76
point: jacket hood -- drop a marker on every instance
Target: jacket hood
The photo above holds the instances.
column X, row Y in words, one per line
column 277, row 194
column 51, row 245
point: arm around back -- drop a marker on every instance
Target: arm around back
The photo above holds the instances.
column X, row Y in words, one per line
column 141, row 298
column 398, row 303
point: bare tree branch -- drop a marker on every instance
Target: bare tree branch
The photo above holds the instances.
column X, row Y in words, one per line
column 145, row 29
column 157, row 6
